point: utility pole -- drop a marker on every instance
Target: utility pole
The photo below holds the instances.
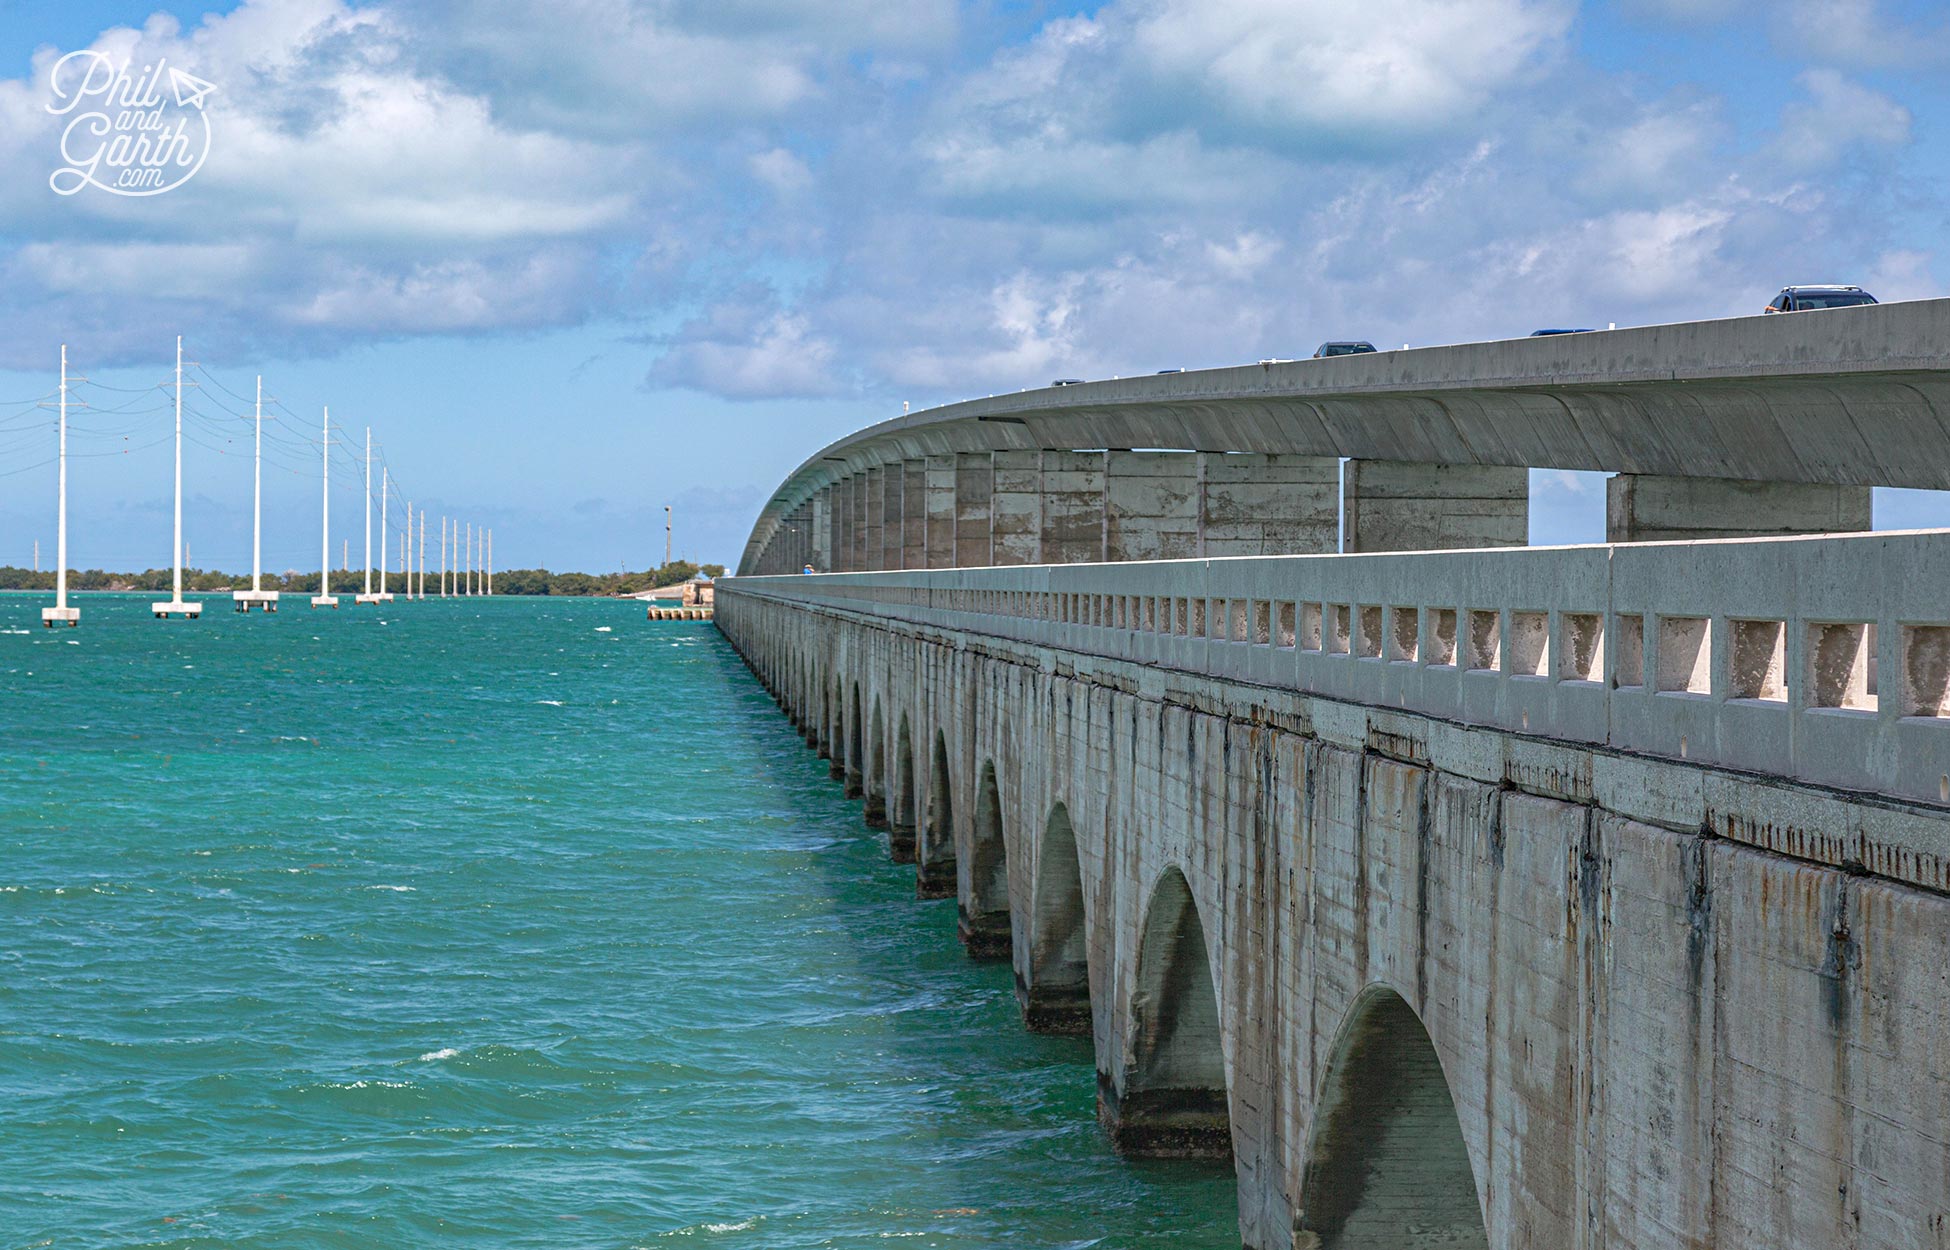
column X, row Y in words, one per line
column 443, row 557
column 176, row 606
column 324, row 598
column 366, row 595
column 61, row 611
column 490, row 561
column 423, row 555
column 268, row 600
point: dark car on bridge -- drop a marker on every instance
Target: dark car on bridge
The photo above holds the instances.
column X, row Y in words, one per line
column 1349, row 348
column 1809, row 298
column 1538, row 334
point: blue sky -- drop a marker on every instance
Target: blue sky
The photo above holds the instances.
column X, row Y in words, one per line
column 576, row 262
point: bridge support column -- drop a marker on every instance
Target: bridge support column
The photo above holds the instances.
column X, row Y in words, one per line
column 1073, row 507
column 940, row 505
column 1016, row 507
column 857, row 500
column 914, row 515
column 1641, row 508
column 822, row 530
column 1151, row 505
column 892, row 529
column 1404, row 505
column 871, row 556
column 974, row 483
column 1268, row 505
column 843, row 526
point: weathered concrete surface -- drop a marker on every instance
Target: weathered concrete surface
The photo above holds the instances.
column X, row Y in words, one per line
column 1389, row 505
column 1855, row 396
column 1428, row 982
column 1260, row 505
column 1641, row 508
column 1073, row 507
column 972, row 489
column 1151, row 504
column 1016, row 508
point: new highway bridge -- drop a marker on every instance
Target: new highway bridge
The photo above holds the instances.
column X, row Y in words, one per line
column 1461, row 893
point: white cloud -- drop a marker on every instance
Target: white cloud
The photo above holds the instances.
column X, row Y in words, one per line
column 751, row 349
column 1860, row 34
column 1837, row 120
column 781, row 170
column 1402, row 67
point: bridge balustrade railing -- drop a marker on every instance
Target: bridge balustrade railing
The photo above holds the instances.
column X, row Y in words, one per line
column 1820, row 659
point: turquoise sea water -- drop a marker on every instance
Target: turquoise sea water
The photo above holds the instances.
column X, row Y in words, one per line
column 493, row 923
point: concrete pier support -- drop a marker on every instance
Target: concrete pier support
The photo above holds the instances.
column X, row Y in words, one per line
column 871, row 555
column 1151, row 505
column 1016, row 508
column 892, row 529
column 1073, row 507
column 1642, row 508
column 973, row 484
column 1403, row 505
column 940, row 506
column 822, row 530
column 857, row 501
column 914, row 514
column 1268, row 505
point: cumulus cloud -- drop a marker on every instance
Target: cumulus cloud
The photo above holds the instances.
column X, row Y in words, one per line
column 1836, row 119
column 751, row 349
column 1406, row 67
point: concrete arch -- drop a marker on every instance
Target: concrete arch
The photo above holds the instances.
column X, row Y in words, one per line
column 1387, row 1165
column 856, row 734
column 1171, row 1102
column 823, row 737
column 901, row 816
column 1053, row 982
column 876, row 796
column 985, row 913
column 936, row 855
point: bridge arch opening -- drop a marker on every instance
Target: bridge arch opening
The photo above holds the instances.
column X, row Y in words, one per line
column 937, row 852
column 856, row 735
column 985, row 917
column 876, row 804
column 1386, row 1161
column 1172, row 1104
column 901, row 818
column 1053, row 983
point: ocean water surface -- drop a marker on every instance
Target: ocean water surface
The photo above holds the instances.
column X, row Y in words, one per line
column 490, row 923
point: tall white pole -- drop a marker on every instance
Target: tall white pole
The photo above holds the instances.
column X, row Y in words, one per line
column 489, row 562
column 323, row 599
column 467, row 561
column 423, row 555
column 61, row 526
column 385, row 488
column 257, row 493
column 443, row 557
column 325, row 508
column 177, row 567
column 368, row 510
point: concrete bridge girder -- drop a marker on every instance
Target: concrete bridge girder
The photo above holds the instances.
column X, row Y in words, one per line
column 1858, row 399
column 1630, row 1020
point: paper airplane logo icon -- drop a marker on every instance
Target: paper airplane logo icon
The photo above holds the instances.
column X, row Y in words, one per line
column 189, row 89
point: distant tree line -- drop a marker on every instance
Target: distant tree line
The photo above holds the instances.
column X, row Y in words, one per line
column 510, row 582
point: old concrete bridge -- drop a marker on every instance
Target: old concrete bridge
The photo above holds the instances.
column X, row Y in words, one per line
column 1522, row 897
